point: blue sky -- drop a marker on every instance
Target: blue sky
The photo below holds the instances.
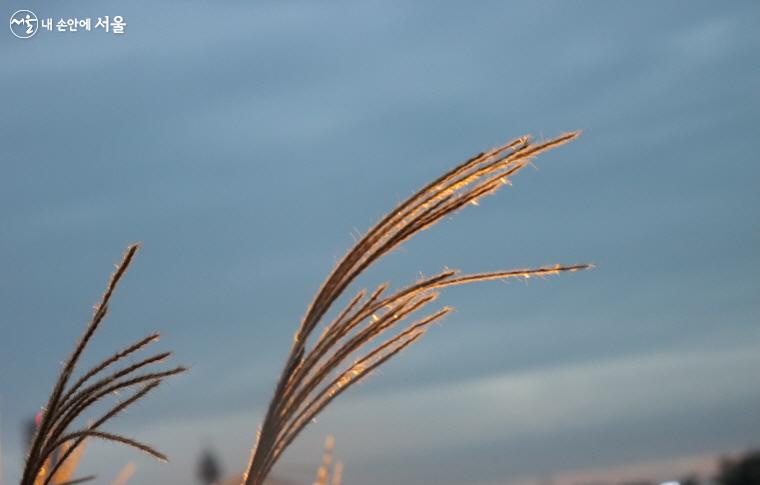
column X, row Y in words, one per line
column 243, row 144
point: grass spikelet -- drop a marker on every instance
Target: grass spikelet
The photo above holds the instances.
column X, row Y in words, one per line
column 323, row 472
column 337, row 473
column 125, row 474
column 79, row 480
column 68, row 467
column 67, row 402
column 317, row 370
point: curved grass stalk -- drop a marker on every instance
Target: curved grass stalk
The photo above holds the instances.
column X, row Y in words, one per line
column 314, row 375
column 68, row 402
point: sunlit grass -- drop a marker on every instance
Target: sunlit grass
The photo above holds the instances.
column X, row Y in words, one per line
column 319, row 368
column 373, row 327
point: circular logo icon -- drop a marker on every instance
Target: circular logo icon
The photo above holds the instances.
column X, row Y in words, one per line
column 24, row 24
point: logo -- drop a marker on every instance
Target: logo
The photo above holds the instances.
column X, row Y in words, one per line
column 24, row 24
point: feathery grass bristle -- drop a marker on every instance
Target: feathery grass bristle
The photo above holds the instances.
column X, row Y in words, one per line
column 68, row 402
column 316, row 373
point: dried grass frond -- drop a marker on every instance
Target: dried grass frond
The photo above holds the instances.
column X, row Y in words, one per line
column 68, row 467
column 323, row 471
column 68, row 402
column 316, row 373
column 337, row 473
column 79, row 480
column 125, row 474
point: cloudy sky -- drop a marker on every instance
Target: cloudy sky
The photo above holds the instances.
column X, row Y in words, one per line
column 244, row 145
